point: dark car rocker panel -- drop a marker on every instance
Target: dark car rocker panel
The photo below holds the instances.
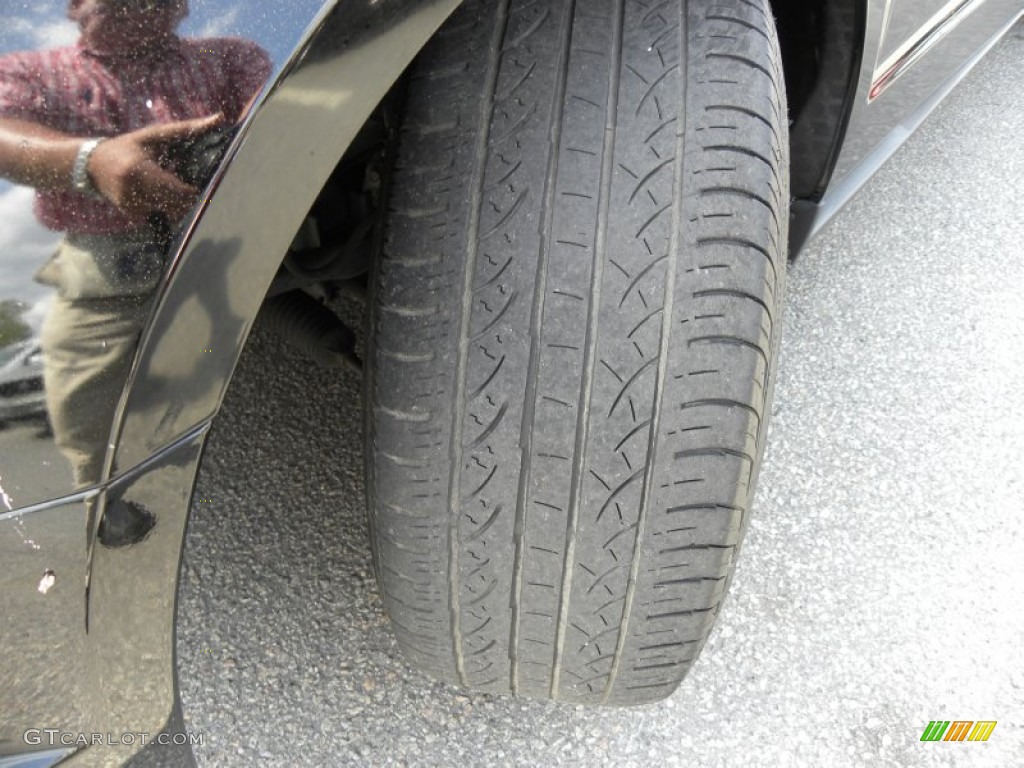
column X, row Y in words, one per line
column 88, row 628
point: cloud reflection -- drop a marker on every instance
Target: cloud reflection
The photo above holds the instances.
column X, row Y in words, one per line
column 24, row 245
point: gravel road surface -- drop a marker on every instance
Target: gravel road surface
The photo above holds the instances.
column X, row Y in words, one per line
column 880, row 585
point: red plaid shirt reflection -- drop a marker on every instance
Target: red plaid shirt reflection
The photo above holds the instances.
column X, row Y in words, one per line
column 78, row 92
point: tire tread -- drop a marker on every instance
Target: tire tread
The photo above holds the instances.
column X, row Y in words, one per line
column 573, row 333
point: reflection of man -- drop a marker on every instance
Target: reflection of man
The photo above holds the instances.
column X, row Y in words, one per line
column 89, row 127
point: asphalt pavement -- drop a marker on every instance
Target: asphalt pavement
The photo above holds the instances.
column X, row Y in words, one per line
column 880, row 585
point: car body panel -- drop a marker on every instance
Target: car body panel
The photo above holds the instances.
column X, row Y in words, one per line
column 108, row 618
column 88, row 635
column 88, row 628
column 878, row 126
column 873, row 119
column 26, row 245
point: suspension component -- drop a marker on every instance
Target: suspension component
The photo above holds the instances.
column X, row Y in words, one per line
column 313, row 328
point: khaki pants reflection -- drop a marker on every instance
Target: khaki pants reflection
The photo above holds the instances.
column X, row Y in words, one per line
column 88, row 346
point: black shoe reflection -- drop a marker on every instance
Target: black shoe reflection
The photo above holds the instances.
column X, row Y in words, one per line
column 125, row 523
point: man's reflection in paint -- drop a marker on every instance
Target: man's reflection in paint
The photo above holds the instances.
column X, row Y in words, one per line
column 92, row 128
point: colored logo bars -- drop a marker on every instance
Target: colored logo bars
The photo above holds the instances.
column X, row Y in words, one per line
column 958, row 730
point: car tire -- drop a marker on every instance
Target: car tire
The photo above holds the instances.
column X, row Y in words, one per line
column 573, row 335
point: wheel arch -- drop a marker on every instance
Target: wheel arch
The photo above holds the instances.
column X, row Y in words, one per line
column 822, row 46
column 296, row 134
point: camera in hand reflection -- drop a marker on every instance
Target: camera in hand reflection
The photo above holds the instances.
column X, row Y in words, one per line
column 194, row 161
column 196, row 158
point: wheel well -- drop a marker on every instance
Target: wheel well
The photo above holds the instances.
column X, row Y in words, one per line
column 822, row 43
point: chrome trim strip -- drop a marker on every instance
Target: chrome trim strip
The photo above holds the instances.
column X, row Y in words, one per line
column 42, row 506
column 886, row 18
column 904, row 57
